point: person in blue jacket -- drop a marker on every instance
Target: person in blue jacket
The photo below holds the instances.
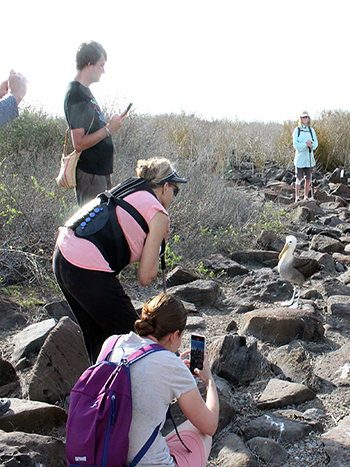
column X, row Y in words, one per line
column 304, row 142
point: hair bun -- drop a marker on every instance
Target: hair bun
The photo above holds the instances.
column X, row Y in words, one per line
column 143, row 328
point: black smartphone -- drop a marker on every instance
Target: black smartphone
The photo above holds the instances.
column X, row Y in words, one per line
column 126, row 110
column 197, row 352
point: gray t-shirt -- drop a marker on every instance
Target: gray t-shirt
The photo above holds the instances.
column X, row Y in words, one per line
column 156, row 380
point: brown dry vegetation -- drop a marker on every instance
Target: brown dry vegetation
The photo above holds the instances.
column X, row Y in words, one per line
column 209, row 215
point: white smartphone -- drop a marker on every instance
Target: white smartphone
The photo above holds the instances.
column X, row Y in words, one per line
column 197, row 352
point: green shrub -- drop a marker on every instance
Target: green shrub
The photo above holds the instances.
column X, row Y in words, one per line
column 207, row 217
column 33, row 131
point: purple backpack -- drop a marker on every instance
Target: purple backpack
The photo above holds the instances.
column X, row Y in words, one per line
column 100, row 412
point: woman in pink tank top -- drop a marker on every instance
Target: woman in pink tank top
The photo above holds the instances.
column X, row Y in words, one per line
column 87, row 275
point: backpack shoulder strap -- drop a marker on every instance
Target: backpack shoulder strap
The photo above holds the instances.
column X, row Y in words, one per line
column 146, row 350
column 133, row 212
column 137, row 355
column 298, row 131
column 310, row 130
column 145, row 447
column 107, row 348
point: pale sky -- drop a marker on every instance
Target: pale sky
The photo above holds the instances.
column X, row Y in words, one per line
column 251, row 59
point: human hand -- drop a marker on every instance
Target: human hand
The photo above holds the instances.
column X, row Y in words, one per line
column 309, row 143
column 4, row 87
column 184, row 359
column 205, row 374
column 17, row 85
column 115, row 123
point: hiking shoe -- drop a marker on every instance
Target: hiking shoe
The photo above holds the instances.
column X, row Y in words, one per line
column 297, row 200
column 4, row 406
column 305, row 198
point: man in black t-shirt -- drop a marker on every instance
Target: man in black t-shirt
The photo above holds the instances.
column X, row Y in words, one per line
column 90, row 134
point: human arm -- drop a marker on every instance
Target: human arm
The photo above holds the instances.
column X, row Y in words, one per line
column 84, row 141
column 8, row 110
column 148, row 265
column 299, row 142
column 315, row 141
column 203, row 415
column 4, row 87
column 12, row 92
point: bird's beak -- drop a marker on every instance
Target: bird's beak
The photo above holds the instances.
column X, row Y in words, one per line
column 283, row 251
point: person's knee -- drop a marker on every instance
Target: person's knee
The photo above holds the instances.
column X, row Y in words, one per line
column 298, row 181
column 188, row 426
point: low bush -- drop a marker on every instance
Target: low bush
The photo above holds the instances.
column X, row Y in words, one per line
column 207, row 217
column 333, row 134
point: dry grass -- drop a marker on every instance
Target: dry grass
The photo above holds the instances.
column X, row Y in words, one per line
column 207, row 217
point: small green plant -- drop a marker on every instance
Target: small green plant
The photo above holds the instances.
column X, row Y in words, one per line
column 171, row 258
column 202, row 269
column 273, row 219
column 11, row 291
column 30, row 302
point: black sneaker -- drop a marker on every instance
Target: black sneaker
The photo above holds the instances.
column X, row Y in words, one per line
column 4, row 406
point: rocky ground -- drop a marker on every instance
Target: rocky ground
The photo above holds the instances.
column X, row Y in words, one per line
column 293, row 364
column 310, row 451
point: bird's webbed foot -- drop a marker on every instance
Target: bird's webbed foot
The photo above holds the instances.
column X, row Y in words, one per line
column 288, row 302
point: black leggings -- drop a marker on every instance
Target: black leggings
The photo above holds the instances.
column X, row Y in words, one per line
column 98, row 302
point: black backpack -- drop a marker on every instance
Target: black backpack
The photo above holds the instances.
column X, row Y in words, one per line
column 308, row 129
column 97, row 222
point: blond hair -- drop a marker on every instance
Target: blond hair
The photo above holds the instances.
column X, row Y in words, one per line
column 300, row 123
column 154, row 170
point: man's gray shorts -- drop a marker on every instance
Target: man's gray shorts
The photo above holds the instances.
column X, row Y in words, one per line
column 90, row 185
column 300, row 171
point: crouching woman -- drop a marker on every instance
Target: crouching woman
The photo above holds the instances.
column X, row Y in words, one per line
column 162, row 377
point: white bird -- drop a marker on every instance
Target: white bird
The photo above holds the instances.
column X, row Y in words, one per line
column 295, row 270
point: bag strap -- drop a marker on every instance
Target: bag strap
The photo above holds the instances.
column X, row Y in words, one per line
column 137, row 355
column 133, row 212
column 309, row 130
column 146, row 350
column 67, row 136
column 169, row 416
column 134, row 357
column 66, row 142
column 311, row 133
column 112, row 203
column 145, row 447
column 107, row 349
